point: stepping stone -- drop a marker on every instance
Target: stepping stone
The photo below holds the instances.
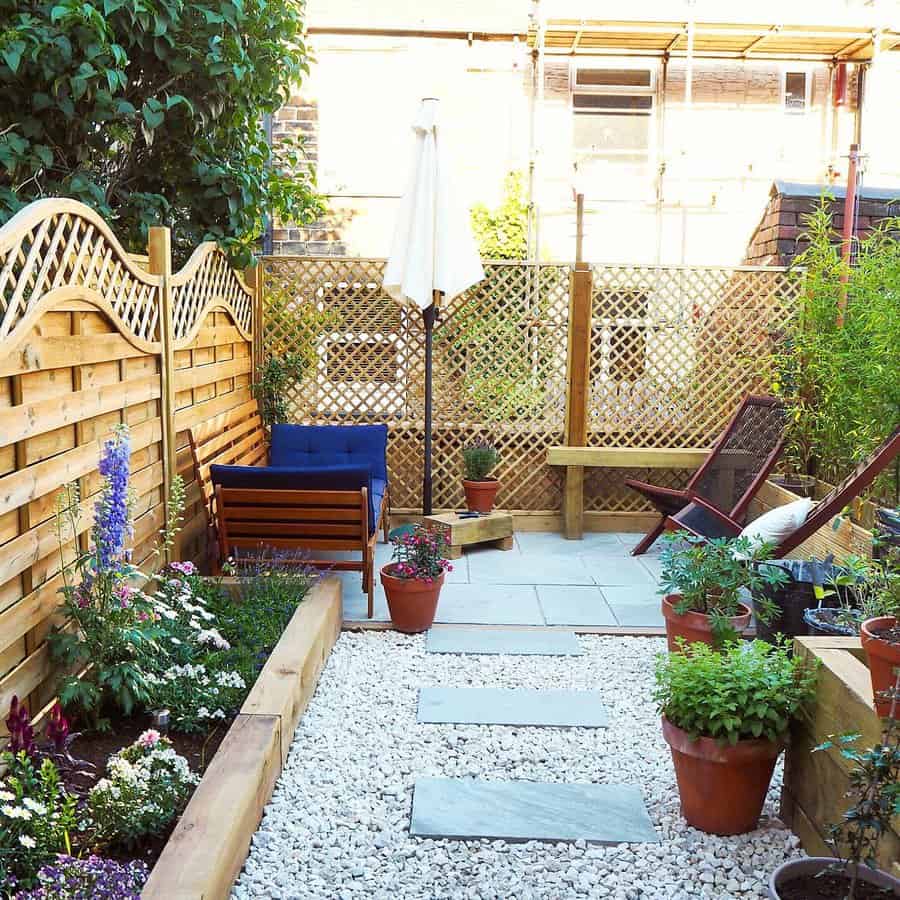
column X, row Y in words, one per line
column 463, row 809
column 501, row 706
column 515, row 642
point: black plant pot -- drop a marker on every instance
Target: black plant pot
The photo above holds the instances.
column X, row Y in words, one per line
column 823, row 621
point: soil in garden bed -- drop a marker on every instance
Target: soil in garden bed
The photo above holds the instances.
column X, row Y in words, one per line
column 829, row 887
column 97, row 747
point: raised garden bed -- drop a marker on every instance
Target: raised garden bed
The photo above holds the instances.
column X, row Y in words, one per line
column 815, row 784
column 210, row 842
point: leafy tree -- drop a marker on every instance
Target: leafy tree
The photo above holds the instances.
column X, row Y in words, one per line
column 150, row 111
column 502, row 233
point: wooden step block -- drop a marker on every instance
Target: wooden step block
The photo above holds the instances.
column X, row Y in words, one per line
column 496, row 527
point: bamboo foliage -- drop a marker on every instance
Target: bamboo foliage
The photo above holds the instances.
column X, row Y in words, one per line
column 83, row 351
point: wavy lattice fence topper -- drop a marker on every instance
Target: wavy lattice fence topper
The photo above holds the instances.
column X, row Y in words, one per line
column 56, row 250
column 208, row 280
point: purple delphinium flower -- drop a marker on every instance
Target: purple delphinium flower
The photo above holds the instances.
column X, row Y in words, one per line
column 111, row 513
column 94, row 877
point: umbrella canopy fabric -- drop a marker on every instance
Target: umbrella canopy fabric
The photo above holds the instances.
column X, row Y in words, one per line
column 433, row 247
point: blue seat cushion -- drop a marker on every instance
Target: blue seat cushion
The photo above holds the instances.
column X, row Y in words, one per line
column 304, row 446
column 290, row 478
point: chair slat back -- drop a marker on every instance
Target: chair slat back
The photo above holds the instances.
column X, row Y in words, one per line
column 840, row 495
column 743, row 456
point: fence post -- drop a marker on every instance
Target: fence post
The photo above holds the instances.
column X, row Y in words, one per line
column 253, row 276
column 159, row 248
column 578, row 377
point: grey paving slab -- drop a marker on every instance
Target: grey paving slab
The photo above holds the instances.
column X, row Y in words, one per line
column 635, row 606
column 575, row 605
column 530, row 567
column 556, row 544
column 513, row 642
column 461, row 809
column 617, row 571
column 511, row 706
column 477, row 604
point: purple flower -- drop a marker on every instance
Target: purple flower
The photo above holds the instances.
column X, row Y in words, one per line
column 94, row 877
column 112, row 525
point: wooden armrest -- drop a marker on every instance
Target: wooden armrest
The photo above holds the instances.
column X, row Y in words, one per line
column 714, row 511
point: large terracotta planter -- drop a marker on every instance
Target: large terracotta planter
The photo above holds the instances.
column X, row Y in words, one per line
column 812, row 865
column 695, row 627
column 412, row 603
column 480, row 495
column 883, row 659
column 722, row 787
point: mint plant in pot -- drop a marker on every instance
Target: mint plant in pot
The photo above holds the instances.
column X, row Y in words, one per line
column 853, row 873
column 725, row 717
column 413, row 581
column 702, row 582
column 479, row 460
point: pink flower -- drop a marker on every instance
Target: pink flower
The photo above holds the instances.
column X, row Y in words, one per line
column 149, row 739
column 142, row 616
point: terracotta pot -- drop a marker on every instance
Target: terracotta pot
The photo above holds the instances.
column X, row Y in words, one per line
column 883, row 659
column 722, row 788
column 480, row 494
column 812, row 865
column 412, row 602
column 695, row 627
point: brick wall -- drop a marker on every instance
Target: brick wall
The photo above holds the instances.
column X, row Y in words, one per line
column 779, row 236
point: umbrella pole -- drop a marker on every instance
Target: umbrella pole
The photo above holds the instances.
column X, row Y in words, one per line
column 428, row 316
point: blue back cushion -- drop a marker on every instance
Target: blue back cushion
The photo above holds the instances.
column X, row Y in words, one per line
column 300, row 446
column 288, row 478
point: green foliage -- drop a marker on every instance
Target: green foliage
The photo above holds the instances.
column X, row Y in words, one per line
column 502, row 233
column 709, row 576
column 146, row 785
column 274, row 377
column 151, row 113
column 479, row 459
column 843, row 381
column 419, row 555
column 36, row 818
column 866, row 588
column 875, row 790
column 744, row 691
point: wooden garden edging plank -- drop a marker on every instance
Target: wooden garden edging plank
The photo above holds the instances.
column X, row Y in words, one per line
column 210, row 843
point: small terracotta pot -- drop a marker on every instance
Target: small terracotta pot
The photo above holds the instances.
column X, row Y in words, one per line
column 812, row 865
column 722, row 787
column 883, row 659
column 412, row 602
column 695, row 627
column 480, row 494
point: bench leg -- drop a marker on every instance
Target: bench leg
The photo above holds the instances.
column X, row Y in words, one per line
column 647, row 541
column 573, row 503
column 506, row 543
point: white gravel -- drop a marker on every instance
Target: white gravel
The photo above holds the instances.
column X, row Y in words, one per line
column 337, row 824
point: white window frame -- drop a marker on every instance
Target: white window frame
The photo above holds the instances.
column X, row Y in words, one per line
column 792, row 69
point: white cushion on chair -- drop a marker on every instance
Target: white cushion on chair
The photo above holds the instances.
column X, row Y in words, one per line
column 777, row 524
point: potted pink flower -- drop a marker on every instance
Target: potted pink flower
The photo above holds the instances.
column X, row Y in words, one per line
column 413, row 581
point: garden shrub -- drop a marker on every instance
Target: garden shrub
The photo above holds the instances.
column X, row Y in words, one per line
column 96, row 878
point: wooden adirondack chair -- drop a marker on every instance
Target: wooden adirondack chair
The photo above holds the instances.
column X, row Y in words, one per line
column 739, row 462
column 704, row 520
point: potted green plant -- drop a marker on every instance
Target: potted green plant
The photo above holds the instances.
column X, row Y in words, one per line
column 875, row 789
column 479, row 459
column 702, row 582
column 413, row 581
column 725, row 716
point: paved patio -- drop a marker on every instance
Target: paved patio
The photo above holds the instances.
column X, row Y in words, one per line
column 544, row 581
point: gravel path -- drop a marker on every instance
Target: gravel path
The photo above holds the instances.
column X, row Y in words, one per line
column 337, row 824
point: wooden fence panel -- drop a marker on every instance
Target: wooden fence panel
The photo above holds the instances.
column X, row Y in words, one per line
column 82, row 352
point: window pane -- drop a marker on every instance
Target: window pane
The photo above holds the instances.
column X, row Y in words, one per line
column 623, row 77
column 597, row 132
column 795, row 90
column 628, row 102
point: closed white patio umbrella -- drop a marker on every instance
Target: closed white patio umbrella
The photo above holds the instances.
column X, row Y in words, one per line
column 433, row 253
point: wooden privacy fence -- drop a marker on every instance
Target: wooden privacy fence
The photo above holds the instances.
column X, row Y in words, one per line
column 92, row 338
column 654, row 357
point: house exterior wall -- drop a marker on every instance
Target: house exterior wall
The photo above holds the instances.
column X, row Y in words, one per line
column 711, row 164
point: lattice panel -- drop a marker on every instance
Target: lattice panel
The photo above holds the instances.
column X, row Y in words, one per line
column 207, row 279
column 674, row 349
column 605, row 489
column 365, row 363
column 62, row 249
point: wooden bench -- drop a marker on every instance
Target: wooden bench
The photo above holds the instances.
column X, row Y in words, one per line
column 576, row 459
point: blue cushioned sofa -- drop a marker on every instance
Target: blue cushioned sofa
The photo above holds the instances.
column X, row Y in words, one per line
column 325, row 489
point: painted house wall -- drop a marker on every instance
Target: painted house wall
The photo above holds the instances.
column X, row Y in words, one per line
column 709, row 172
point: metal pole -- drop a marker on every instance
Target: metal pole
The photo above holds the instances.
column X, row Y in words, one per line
column 268, row 241
column 429, row 315
column 849, row 229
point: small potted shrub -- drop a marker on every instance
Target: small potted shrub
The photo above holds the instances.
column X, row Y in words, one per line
column 875, row 789
column 878, row 619
column 479, row 459
column 701, row 584
column 725, row 716
column 413, row 581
